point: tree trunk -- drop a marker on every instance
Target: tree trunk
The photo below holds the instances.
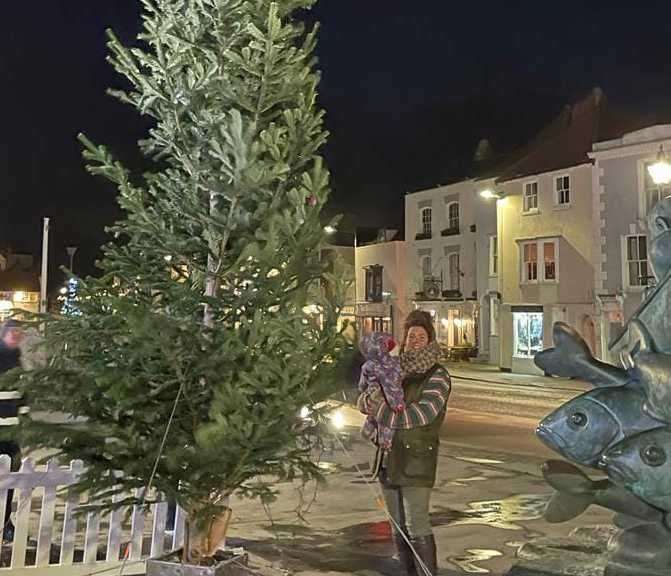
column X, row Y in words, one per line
column 202, row 541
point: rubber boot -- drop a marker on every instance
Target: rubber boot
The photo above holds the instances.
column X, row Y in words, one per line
column 405, row 556
column 425, row 547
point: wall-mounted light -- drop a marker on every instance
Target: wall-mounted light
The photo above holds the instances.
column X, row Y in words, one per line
column 490, row 194
column 660, row 171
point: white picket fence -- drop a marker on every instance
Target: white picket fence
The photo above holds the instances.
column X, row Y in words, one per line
column 51, row 539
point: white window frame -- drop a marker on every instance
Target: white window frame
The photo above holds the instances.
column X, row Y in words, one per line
column 540, row 261
column 557, row 192
column 625, row 263
column 449, row 219
column 541, row 252
column 493, row 256
column 525, row 207
column 450, row 279
column 422, row 224
column 422, row 266
column 524, row 276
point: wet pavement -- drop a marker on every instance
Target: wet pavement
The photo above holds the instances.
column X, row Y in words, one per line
column 487, row 503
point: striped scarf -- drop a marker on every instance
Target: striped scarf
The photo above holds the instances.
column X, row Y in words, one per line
column 415, row 362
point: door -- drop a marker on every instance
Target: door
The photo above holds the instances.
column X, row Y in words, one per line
column 454, row 328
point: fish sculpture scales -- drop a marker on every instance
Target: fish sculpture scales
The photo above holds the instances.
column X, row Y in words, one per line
column 642, row 465
column 585, row 427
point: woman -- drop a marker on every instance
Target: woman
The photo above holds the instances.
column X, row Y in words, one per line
column 408, row 472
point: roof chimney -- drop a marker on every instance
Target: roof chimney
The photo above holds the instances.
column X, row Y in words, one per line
column 597, row 92
column 483, row 151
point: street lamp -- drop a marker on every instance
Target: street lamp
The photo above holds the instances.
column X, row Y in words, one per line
column 489, row 194
column 71, row 250
column 660, row 171
column 330, row 229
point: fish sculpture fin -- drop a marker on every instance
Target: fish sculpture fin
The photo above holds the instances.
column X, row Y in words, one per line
column 572, row 358
column 640, row 341
column 563, row 506
column 567, row 478
column 575, row 491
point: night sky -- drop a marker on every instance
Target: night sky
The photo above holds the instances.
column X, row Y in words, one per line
column 409, row 89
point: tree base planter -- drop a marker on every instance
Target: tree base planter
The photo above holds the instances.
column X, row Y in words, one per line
column 226, row 563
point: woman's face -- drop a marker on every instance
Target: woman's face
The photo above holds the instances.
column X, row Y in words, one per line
column 417, row 339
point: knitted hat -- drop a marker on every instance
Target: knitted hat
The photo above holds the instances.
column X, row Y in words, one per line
column 421, row 319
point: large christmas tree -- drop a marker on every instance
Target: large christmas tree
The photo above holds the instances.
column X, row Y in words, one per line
column 203, row 316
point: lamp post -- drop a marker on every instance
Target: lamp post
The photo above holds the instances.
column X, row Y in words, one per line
column 45, row 266
column 489, row 194
column 660, row 173
column 71, row 250
column 331, row 230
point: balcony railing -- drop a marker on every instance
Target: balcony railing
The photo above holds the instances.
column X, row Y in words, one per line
column 452, row 294
column 424, row 236
column 451, row 231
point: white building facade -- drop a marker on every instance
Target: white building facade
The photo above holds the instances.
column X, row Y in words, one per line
column 624, row 196
column 447, row 267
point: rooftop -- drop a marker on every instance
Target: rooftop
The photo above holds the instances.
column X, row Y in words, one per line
column 570, row 137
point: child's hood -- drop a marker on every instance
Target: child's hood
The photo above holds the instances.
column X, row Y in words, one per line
column 376, row 345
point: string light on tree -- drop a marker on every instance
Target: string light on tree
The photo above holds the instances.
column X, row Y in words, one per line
column 69, row 298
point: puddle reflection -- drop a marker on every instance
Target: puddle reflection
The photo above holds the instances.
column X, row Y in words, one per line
column 504, row 514
column 479, row 460
column 467, row 560
column 467, row 481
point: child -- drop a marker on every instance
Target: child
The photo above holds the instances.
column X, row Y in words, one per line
column 381, row 372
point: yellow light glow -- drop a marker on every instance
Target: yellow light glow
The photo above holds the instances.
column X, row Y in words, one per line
column 660, row 171
column 488, row 194
column 5, row 305
column 19, row 296
column 338, row 420
column 330, row 229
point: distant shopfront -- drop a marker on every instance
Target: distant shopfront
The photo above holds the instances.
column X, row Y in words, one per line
column 456, row 324
column 375, row 317
column 18, row 300
column 526, row 329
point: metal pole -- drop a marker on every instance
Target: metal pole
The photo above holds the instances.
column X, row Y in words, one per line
column 356, row 277
column 355, row 270
column 45, row 266
column 71, row 250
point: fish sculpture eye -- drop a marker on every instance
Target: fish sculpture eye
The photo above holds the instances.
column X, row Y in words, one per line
column 653, row 455
column 662, row 223
column 577, row 420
